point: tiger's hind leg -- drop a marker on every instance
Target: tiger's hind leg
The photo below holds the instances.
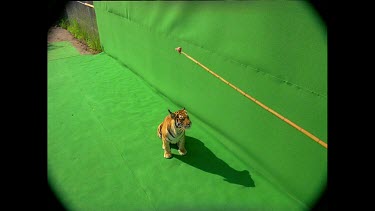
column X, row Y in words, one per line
column 181, row 146
column 165, row 143
column 160, row 135
column 167, row 148
column 158, row 132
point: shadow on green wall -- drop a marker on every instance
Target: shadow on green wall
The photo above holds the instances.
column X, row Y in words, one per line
column 200, row 157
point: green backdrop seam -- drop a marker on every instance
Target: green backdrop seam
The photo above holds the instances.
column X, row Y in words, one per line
column 235, row 152
column 163, row 34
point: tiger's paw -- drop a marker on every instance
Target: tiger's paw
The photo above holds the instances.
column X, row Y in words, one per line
column 167, row 155
column 182, row 151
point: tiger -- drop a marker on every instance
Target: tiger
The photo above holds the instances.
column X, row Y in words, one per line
column 172, row 131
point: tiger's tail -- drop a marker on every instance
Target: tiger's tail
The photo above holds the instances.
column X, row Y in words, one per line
column 159, row 130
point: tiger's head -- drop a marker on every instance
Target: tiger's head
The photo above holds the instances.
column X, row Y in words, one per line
column 181, row 118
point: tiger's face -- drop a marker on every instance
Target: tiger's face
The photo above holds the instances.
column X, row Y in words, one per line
column 181, row 118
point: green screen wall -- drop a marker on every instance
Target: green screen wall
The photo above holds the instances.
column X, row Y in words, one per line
column 276, row 51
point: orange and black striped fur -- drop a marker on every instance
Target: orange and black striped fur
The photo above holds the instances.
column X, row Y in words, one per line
column 172, row 131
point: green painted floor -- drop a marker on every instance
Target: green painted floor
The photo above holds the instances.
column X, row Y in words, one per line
column 103, row 152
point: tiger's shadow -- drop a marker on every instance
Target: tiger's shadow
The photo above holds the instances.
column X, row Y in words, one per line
column 200, row 157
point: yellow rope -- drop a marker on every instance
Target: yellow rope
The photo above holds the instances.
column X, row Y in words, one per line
column 86, row 4
column 179, row 49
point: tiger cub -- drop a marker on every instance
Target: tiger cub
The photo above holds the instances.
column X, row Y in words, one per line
column 172, row 131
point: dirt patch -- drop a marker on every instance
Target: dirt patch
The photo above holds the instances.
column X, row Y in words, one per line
column 58, row 34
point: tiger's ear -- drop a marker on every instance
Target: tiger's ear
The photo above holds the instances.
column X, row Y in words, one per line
column 184, row 109
column 173, row 115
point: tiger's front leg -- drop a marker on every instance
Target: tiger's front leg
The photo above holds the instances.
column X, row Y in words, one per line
column 167, row 148
column 181, row 146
